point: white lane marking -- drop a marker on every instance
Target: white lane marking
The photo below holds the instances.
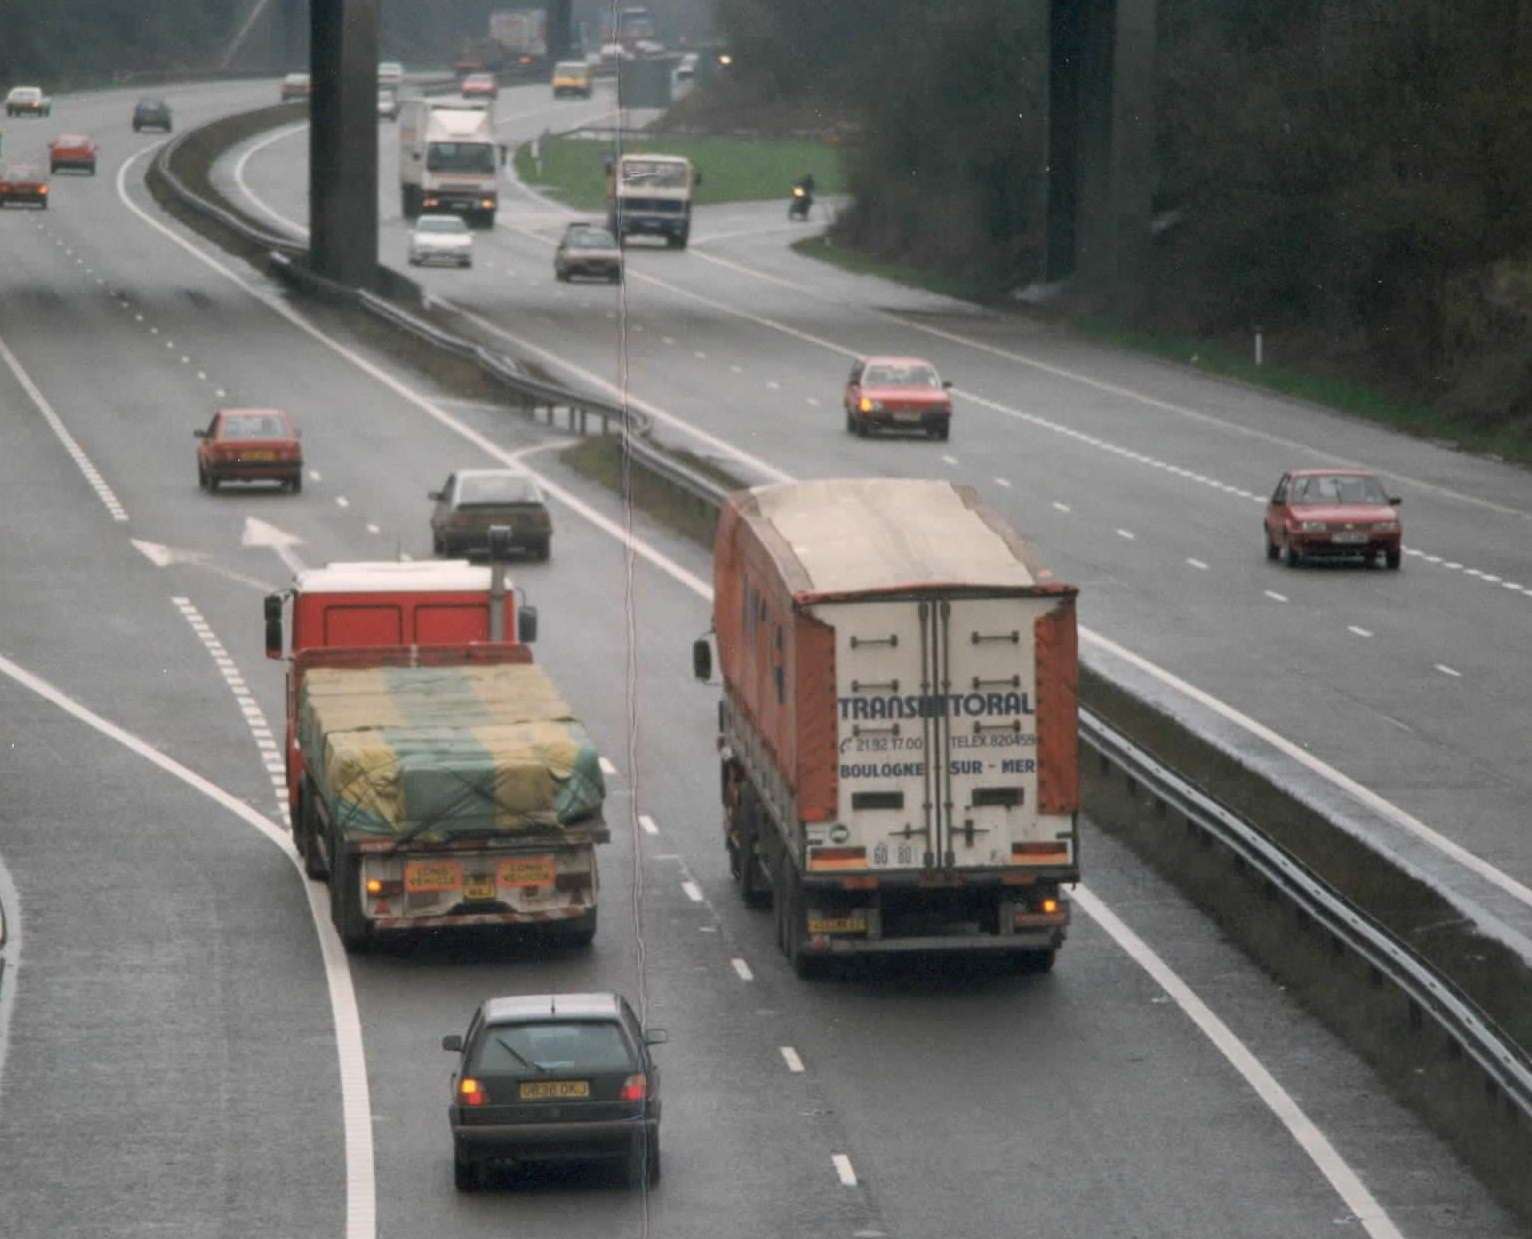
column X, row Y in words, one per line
column 314, row 475
column 951, row 460
column 1198, row 564
column 1310, row 1139
column 667, row 339
column 742, row 968
column 202, row 374
column 1127, row 534
column 811, row 401
column 371, row 528
column 356, row 1106
column 13, row 939
column 737, row 369
column 1361, row 632
column 1001, row 482
column 607, row 768
column 91, row 474
column 693, row 891
column 1274, row 596
column 699, row 355
column 220, row 393
column 647, row 823
column 790, row 1057
column 773, row 385
column 1245, row 1064
column 185, row 360
column 262, row 533
column 843, row 1169
column 1062, row 507
column 342, row 502
column 1446, row 670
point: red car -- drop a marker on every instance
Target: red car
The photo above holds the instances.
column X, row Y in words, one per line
column 73, row 150
column 480, row 86
column 1332, row 512
column 22, row 183
column 249, row 445
column 897, row 393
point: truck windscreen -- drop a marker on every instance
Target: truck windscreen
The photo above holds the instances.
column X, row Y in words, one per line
column 460, row 157
column 653, row 174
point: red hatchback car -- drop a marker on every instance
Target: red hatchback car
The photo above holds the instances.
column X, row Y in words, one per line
column 20, row 183
column 480, row 86
column 249, row 445
column 73, row 150
column 1332, row 512
column 897, row 393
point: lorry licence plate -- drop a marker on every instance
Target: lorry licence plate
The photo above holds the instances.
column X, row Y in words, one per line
column 544, row 1090
column 479, row 886
column 854, row 924
column 526, row 871
column 424, row 876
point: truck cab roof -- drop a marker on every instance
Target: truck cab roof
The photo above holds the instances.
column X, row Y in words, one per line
column 433, row 576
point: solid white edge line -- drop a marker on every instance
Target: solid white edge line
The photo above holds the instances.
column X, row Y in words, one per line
column 92, row 475
column 843, row 1169
column 12, row 941
column 1310, row 1139
column 700, row 587
column 356, row 1107
column 791, row 1058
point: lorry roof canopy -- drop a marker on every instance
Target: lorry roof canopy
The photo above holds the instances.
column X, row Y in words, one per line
column 853, row 535
column 392, row 578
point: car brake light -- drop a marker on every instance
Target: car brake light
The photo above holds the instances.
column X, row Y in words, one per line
column 42, row 189
column 634, row 1088
column 470, row 1092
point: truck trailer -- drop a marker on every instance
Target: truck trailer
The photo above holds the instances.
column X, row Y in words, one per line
column 448, row 160
column 436, row 778
column 898, row 722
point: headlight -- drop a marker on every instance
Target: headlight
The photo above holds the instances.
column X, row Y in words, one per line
column 867, row 405
column 1386, row 527
column 1314, row 527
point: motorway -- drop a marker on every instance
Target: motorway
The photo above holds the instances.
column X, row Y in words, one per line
column 174, row 1033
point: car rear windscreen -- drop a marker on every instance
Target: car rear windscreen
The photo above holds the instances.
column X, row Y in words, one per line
column 475, row 491
column 562, row 1047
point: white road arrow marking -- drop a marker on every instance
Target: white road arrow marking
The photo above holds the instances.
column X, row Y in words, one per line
column 162, row 556
column 261, row 533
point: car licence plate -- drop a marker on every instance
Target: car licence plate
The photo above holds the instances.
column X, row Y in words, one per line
column 1348, row 538
column 554, row 1090
column 424, row 876
column 907, row 415
column 526, row 871
column 479, row 886
column 258, row 455
column 856, row 924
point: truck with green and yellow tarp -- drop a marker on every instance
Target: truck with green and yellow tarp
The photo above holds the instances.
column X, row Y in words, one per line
column 447, row 794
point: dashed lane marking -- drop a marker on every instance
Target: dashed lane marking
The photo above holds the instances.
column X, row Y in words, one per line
column 1274, row 596
column 1361, row 632
column 342, row 502
column 1062, row 507
column 1198, row 564
column 790, row 1057
column 693, row 891
column 371, row 528
column 1128, row 535
column 742, row 969
column 647, row 823
column 1446, row 670
column 844, row 1169
column 1001, row 482
column 606, row 767
column 92, row 475
column 255, row 718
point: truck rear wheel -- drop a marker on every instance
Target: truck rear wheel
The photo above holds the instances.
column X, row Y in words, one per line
column 744, row 854
column 790, row 931
column 346, row 897
column 305, row 835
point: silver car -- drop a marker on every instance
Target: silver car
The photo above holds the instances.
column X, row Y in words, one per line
column 28, row 101
column 388, row 104
column 441, row 238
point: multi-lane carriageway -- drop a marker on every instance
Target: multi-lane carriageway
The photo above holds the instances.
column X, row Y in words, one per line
column 185, row 1051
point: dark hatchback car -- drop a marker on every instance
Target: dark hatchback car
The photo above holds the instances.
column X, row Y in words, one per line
column 587, row 249
column 151, row 114
column 472, row 501
column 555, row 1078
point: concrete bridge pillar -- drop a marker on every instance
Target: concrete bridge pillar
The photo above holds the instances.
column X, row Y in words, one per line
column 1101, row 146
column 560, row 29
column 343, row 140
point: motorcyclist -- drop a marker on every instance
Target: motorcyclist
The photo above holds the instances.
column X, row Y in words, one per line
column 803, row 197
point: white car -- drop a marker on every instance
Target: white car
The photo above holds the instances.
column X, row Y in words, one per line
column 388, row 105
column 28, row 101
column 443, row 239
column 390, row 73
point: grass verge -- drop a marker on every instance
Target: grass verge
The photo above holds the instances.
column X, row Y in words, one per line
column 733, row 169
column 1332, row 391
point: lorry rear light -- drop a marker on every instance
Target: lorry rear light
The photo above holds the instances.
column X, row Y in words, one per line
column 486, row 203
column 384, row 887
column 634, row 1088
column 470, row 1092
column 1055, row 852
column 837, row 858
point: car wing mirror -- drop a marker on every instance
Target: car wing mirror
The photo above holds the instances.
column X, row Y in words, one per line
column 434, row 494
column 656, row 1036
column 453, row 1043
column 1394, row 501
column 199, row 433
column 947, row 383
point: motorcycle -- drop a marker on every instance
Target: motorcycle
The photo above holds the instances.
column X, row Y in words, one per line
column 798, row 205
